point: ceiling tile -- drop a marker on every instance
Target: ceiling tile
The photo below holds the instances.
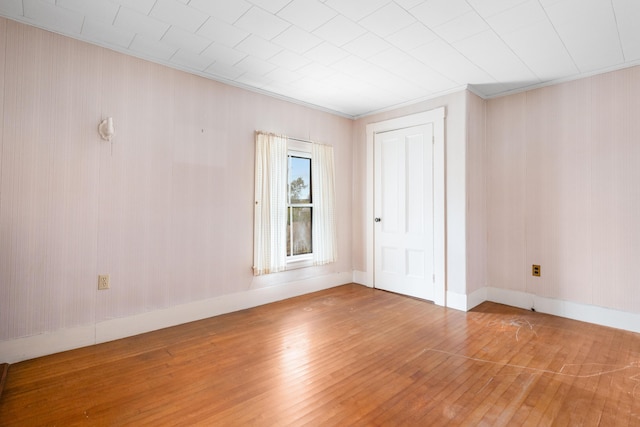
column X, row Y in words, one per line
column 628, row 16
column 183, row 39
column 380, row 76
column 94, row 9
column 261, row 23
column 340, row 30
column 408, row 4
column 436, row 12
column 223, row 10
column 307, row 14
column 140, row 23
column 176, row 13
column 50, row 16
column 315, row 70
column 460, row 70
column 525, row 14
column 387, row 20
column 433, row 51
column 151, row 48
column 255, row 80
column 107, row 33
column 283, row 76
column 423, row 76
column 412, row 36
column 487, row 8
column 547, row 3
column 11, row 7
column 367, row 45
column 541, row 50
column 273, row 6
column 221, row 32
column 588, row 29
column 461, row 27
column 351, row 65
column 290, row 60
column 309, row 87
column 277, row 88
column 142, row 6
column 325, row 53
column 356, row 9
column 297, row 40
column 224, row 71
column 391, row 58
column 346, row 83
column 258, row 47
column 223, row 54
column 492, row 55
column 191, row 60
column 256, row 66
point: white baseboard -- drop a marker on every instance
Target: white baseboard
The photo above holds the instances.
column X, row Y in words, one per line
column 476, row 298
column 16, row 350
column 456, row 301
column 571, row 310
column 466, row 302
column 360, row 277
column 19, row 349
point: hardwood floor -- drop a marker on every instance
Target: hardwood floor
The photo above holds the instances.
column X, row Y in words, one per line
column 346, row 356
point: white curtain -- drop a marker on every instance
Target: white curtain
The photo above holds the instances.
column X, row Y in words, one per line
column 270, row 217
column 325, row 248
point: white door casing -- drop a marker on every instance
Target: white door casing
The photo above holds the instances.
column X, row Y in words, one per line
column 436, row 119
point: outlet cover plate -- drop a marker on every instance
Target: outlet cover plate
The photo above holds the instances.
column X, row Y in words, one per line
column 535, row 270
column 103, row 282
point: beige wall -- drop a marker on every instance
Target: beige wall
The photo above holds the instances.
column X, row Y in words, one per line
column 563, row 186
column 166, row 209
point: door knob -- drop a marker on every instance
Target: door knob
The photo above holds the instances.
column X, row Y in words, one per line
column 377, row 220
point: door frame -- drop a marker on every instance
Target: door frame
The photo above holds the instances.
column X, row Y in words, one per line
column 435, row 117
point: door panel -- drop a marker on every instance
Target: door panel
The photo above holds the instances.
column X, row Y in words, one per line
column 403, row 238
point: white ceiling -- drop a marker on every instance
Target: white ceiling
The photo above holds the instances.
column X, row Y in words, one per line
column 354, row 57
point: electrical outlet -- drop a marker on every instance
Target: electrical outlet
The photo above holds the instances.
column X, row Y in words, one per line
column 103, row 282
column 535, row 270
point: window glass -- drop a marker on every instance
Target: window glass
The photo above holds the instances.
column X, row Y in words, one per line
column 299, row 226
column 299, row 179
column 300, row 209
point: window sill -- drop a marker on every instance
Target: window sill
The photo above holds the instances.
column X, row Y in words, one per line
column 295, row 264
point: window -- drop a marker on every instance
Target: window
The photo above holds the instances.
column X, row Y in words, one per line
column 294, row 221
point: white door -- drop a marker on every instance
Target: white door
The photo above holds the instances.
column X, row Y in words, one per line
column 403, row 209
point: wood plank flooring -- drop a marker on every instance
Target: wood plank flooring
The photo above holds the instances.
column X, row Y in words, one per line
column 346, row 356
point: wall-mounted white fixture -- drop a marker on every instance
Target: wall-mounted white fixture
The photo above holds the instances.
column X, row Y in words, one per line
column 105, row 129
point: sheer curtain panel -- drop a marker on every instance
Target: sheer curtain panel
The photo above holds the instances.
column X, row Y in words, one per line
column 325, row 248
column 270, row 217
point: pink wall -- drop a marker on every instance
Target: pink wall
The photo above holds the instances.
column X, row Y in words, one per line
column 476, row 197
column 563, row 187
column 166, row 209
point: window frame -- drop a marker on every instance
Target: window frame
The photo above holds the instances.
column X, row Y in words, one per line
column 302, row 150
